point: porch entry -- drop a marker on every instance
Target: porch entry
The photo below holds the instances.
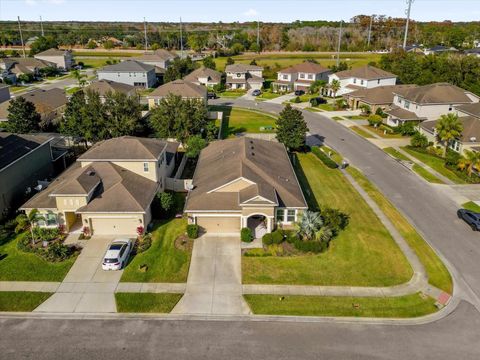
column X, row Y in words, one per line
column 258, row 225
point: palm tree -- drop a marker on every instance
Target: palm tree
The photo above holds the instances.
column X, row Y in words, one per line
column 448, row 128
column 28, row 221
column 310, row 223
column 470, row 161
column 335, row 86
column 79, row 77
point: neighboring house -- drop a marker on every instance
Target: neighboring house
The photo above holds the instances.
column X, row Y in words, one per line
column 103, row 87
column 414, row 49
column 427, row 102
column 24, row 160
column 469, row 115
column 4, row 93
column 109, row 189
column 160, row 58
column 129, row 72
column 185, row 89
column 439, row 49
column 244, row 182
column 241, row 76
column 50, row 104
column 376, row 98
column 362, row 77
column 15, row 67
column 204, row 76
column 63, row 59
column 300, row 77
column 473, row 52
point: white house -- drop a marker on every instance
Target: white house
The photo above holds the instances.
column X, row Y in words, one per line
column 129, row 72
column 204, row 76
column 365, row 77
column 300, row 76
column 241, row 76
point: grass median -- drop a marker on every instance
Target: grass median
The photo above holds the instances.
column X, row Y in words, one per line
column 146, row 302
column 21, row 300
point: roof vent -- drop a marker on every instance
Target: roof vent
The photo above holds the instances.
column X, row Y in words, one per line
column 253, row 154
column 252, row 147
column 91, row 173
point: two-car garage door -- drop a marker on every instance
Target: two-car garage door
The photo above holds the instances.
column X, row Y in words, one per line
column 218, row 224
column 114, row 226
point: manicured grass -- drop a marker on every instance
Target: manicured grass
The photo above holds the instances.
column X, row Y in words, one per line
column 165, row 262
column 396, row 154
column 232, row 94
column 327, row 107
column 72, row 90
column 303, row 98
column 356, row 117
column 146, row 302
column 361, row 132
column 267, row 96
column 364, row 254
column 380, row 133
column 438, row 274
column 237, row 120
column 16, row 265
column 436, row 163
column 21, row 300
column 337, row 118
column 426, row 174
column 389, row 307
column 94, row 63
column 471, row 206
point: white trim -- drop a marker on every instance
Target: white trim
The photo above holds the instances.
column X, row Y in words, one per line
column 231, row 182
column 258, row 197
column 107, row 212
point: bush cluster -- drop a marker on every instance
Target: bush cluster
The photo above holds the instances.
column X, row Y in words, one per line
column 55, row 251
column 143, row 243
column 246, row 234
column 324, row 158
column 275, row 237
column 192, row 231
column 419, row 141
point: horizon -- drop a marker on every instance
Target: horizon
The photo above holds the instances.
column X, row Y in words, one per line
column 267, row 11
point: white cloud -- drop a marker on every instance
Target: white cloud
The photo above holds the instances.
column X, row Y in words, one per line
column 55, row 2
column 31, row 2
column 251, row 13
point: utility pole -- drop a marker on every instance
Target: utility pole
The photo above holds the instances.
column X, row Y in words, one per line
column 41, row 25
column 145, row 31
column 258, row 35
column 370, row 31
column 407, row 12
column 21, row 37
column 339, row 42
column 181, row 39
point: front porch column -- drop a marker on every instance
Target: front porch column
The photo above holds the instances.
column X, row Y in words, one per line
column 269, row 224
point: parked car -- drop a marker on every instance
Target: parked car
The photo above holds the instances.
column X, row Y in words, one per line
column 317, row 101
column 117, row 254
column 256, row 92
column 299, row 92
column 211, row 95
column 471, row 218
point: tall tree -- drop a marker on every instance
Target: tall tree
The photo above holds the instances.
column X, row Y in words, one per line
column 22, row 116
column 448, row 128
column 123, row 113
column 291, row 128
column 179, row 68
column 43, row 43
column 335, row 86
column 72, row 123
column 209, row 63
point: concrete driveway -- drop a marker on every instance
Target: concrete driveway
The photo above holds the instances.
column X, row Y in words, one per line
column 86, row 287
column 281, row 99
column 214, row 284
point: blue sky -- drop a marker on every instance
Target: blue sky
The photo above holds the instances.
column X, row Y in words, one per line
column 234, row 10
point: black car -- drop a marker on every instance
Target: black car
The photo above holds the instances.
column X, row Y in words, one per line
column 299, row 92
column 471, row 218
column 211, row 95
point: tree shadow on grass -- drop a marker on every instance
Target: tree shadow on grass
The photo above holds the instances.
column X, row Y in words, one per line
column 307, row 190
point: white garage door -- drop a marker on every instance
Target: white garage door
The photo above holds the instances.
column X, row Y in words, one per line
column 115, row 226
column 219, row 224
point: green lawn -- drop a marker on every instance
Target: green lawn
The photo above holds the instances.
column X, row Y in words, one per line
column 396, row 154
column 436, row 163
column 438, row 274
column 231, row 94
column 21, row 300
column 72, row 90
column 93, row 63
column 303, row 98
column 146, row 302
column 380, row 133
column 16, row 265
column 267, row 95
column 389, row 307
column 237, row 120
column 165, row 262
column 425, row 174
column 337, row 118
column 364, row 254
column 356, row 117
column 361, row 132
column 104, row 53
column 327, row 107
column 471, row 206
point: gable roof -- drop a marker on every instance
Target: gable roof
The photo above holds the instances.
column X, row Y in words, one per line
column 104, row 86
column 439, row 93
column 128, row 66
column 263, row 163
column 470, row 109
column 182, row 88
column 26, row 62
column 157, row 55
column 14, row 146
column 52, row 52
column 470, row 132
column 367, row 72
column 242, row 68
column 128, row 148
column 203, row 72
column 45, row 101
column 380, row 94
column 305, row 67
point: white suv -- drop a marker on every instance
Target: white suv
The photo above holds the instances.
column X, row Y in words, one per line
column 117, row 254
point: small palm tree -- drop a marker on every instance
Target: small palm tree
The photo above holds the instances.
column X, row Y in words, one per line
column 470, row 161
column 28, row 222
column 335, row 86
column 448, row 128
column 79, row 77
column 308, row 226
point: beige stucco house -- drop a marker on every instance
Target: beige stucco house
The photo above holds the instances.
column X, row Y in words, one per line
column 204, row 76
column 63, row 59
column 244, row 182
column 183, row 88
column 244, row 77
column 109, row 189
column 300, row 76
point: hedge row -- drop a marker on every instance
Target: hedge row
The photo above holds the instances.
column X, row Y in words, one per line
column 324, row 157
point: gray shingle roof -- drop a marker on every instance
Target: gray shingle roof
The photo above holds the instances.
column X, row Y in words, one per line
column 439, row 93
column 128, row 66
column 181, row 88
column 365, row 72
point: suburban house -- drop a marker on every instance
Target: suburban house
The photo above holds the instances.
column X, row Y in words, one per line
column 417, row 49
column 204, row 76
column 376, row 98
column 160, row 58
column 469, row 115
column 358, row 78
column 300, row 77
column 11, row 68
column 473, row 52
column 439, row 49
column 50, row 104
column 4, row 93
column 427, row 102
column 244, row 182
column 185, row 89
column 129, row 72
column 103, row 87
column 109, row 189
column 24, row 160
column 241, row 76
column 63, row 59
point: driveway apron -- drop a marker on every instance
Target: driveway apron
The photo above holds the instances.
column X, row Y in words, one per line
column 214, row 284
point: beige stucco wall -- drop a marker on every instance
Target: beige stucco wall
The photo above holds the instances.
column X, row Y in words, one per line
column 126, row 223
column 70, row 202
column 268, row 211
column 154, row 172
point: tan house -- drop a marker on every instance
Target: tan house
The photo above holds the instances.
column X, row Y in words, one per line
column 185, row 89
column 103, row 87
column 244, row 182
column 244, row 77
column 23, row 66
column 160, row 58
column 204, row 76
column 109, row 189
column 63, row 59
column 300, row 76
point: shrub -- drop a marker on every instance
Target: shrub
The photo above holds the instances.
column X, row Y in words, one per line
column 452, row 157
column 407, row 128
column 340, row 104
column 334, row 219
column 56, row 252
column 246, row 234
column 314, row 102
column 297, row 100
column 310, row 246
column 324, row 158
column 267, row 239
column 166, row 201
column 375, row 120
column 277, row 237
column 365, row 109
column 419, row 141
column 143, row 243
column 381, row 113
column 192, row 231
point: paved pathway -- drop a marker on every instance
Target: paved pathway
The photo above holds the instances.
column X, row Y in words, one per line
column 214, row 284
column 281, row 99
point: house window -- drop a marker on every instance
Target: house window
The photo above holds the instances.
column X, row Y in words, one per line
column 361, row 82
column 310, row 76
column 354, row 81
column 378, row 81
column 145, row 167
column 51, row 219
column 302, row 76
column 407, row 104
column 454, row 145
column 285, row 77
column 291, row 215
column 285, row 215
column 280, row 215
